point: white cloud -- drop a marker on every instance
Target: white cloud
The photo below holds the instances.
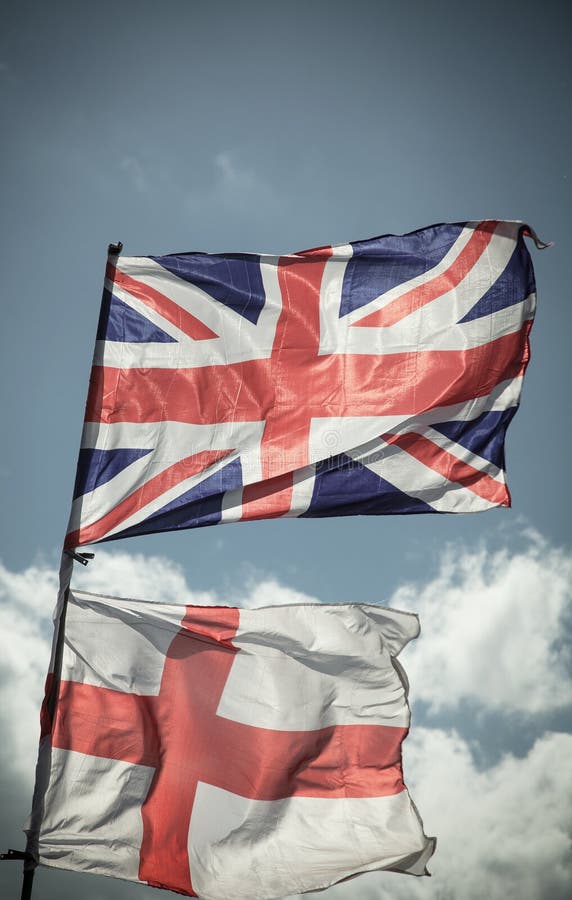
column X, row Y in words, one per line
column 503, row 832
column 269, row 592
column 492, row 630
column 232, row 174
column 236, row 188
column 26, row 602
column 138, row 577
column 162, row 580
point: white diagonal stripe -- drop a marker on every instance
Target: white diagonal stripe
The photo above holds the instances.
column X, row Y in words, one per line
column 238, row 339
column 435, row 325
column 418, row 480
column 404, row 287
column 457, row 450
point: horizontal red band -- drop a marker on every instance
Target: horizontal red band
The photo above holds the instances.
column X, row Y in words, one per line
column 338, row 761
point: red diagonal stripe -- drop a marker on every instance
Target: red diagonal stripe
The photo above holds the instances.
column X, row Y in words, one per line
column 148, row 492
column 450, row 467
column 166, row 307
column 417, row 297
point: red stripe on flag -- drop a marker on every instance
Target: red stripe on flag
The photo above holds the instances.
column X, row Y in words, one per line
column 148, row 492
column 196, row 668
column 333, row 385
column 98, row 721
column 450, row 467
column 285, row 441
column 166, row 307
column 417, row 297
column 339, row 761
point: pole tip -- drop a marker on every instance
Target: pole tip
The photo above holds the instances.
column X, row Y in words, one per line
column 115, row 249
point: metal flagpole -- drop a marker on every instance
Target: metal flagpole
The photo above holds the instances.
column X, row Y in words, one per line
column 28, row 872
column 28, row 881
column 28, row 856
column 66, row 568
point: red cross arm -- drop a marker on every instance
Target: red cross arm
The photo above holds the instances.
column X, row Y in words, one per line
column 337, row 761
column 97, row 721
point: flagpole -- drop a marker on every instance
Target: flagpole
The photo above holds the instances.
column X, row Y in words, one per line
column 28, row 872
column 30, row 856
column 51, row 704
column 27, row 883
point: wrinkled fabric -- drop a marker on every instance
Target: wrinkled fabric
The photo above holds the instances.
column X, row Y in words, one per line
column 221, row 752
column 371, row 378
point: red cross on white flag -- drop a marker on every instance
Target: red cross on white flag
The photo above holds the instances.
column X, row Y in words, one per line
column 225, row 753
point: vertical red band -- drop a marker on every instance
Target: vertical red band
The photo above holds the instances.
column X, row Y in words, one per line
column 285, row 442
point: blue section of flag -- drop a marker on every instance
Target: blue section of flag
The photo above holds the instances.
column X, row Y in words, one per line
column 344, row 487
column 96, row 467
column 120, row 322
column 234, row 279
column 201, row 505
column 484, row 435
column 513, row 286
column 380, row 264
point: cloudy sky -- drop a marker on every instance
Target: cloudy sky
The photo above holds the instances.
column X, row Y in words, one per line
column 272, row 127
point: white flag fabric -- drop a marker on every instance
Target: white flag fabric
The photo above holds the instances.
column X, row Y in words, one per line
column 223, row 752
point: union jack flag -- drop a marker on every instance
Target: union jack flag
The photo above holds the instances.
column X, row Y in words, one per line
column 367, row 378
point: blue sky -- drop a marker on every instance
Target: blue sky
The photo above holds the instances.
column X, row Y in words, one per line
column 257, row 127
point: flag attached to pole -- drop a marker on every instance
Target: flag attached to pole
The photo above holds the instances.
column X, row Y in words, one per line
column 228, row 753
column 369, row 378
